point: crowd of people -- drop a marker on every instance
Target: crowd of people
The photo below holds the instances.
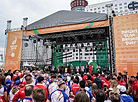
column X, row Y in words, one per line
column 40, row 86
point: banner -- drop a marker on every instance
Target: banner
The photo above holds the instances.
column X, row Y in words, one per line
column 67, row 28
column 126, row 43
column 13, row 51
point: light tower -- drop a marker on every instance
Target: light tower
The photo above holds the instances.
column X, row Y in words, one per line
column 78, row 5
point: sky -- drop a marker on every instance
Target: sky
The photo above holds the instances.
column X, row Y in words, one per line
column 16, row 10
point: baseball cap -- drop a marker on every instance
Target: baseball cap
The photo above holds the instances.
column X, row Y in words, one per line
column 8, row 77
column 122, row 88
column 17, row 82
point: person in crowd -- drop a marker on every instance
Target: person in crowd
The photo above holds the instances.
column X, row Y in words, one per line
column 114, row 97
column 53, row 85
column 77, row 69
column 94, row 88
column 68, row 68
column 68, row 89
column 39, row 95
column 46, row 80
column 8, row 84
column 136, row 98
column 40, row 85
column 82, row 88
column 59, row 95
column 98, row 69
column 14, row 90
column 89, row 85
column 87, row 68
column 100, row 95
column 3, row 89
column 81, row 97
column 17, row 74
column 28, row 94
column 53, row 69
column 123, row 94
column 113, row 85
column 82, row 69
column 21, row 94
column 121, row 81
column 98, row 81
column 72, row 69
column 75, row 87
column 136, row 87
column 91, row 69
column 71, row 81
column 108, row 82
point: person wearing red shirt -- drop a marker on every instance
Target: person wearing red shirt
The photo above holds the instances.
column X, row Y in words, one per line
column 108, row 82
column 120, row 81
column 75, row 87
column 85, row 77
column 103, row 81
column 41, row 86
column 136, row 87
column 21, row 94
column 17, row 74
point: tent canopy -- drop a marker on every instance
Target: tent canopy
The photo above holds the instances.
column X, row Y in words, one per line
column 65, row 17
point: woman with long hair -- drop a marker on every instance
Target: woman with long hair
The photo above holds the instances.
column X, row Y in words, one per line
column 114, row 86
column 3, row 89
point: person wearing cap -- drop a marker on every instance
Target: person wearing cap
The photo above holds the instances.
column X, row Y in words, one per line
column 14, row 90
column 40, row 85
column 8, row 84
column 53, row 85
column 123, row 94
column 59, row 95
column 21, row 94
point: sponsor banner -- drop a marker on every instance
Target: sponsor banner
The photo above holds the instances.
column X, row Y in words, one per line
column 67, row 28
column 126, row 43
column 13, row 51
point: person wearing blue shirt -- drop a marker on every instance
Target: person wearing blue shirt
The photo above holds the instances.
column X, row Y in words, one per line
column 90, row 96
column 8, row 84
column 59, row 95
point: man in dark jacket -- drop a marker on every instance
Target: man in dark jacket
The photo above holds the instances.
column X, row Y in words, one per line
column 98, row 81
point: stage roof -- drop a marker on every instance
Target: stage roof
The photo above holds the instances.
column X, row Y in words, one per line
column 64, row 17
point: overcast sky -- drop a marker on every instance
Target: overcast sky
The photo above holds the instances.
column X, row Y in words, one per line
column 16, row 10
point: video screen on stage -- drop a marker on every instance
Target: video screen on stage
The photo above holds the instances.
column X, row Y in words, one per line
column 126, row 43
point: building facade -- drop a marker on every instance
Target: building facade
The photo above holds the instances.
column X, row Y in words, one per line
column 118, row 6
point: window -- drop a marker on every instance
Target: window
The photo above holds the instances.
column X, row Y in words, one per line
column 76, row 57
column 120, row 4
column 120, row 7
column 103, row 11
column 102, row 7
column 125, row 7
column 73, row 50
column 115, row 8
column 94, row 8
column 80, row 53
column 99, row 8
column 76, row 54
column 115, row 4
column 91, row 10
column 99, row 11
column 125, row 3
column 85, row 58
